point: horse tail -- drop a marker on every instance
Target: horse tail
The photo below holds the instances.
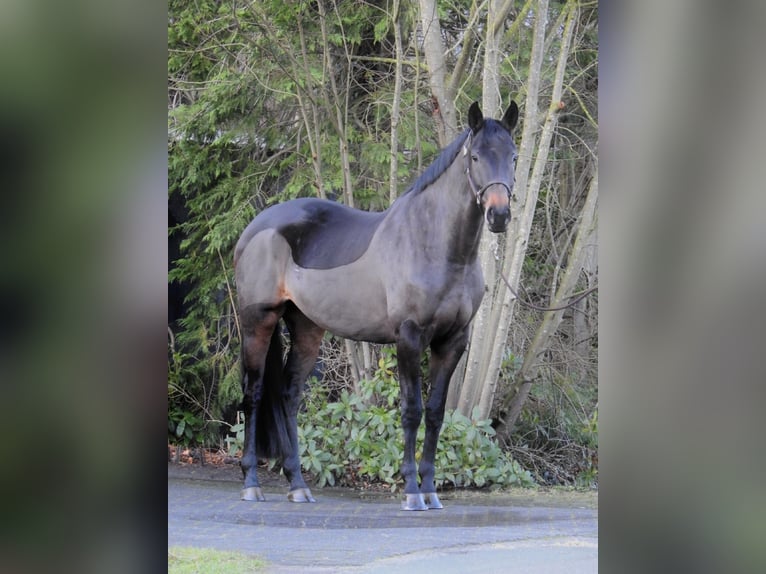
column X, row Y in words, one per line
column 272, row 439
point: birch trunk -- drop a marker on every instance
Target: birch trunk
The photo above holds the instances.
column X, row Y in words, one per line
column 463, row 393
column 582, row 324
column 519, row 238
column 433, row 48
column 393, row 190
column 485, row 338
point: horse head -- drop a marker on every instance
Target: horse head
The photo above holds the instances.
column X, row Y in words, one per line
column 490, row 164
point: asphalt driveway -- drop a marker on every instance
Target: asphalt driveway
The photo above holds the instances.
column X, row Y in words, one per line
column 349, row 531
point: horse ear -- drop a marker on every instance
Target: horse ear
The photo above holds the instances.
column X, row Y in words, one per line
column 475, row 117
column 511, row 116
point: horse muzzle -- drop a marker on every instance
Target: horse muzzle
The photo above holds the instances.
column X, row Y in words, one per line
column 497, row 206
column 498, row 218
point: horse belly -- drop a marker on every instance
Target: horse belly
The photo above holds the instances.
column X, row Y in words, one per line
column 348, row 301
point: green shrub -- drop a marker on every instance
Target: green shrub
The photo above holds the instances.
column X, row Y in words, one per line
column 468, row 455
column 359, row 437
column 184, row 427
column 236, row 439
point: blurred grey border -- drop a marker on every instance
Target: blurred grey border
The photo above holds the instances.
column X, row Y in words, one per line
column 682, row 383
column 83, row 193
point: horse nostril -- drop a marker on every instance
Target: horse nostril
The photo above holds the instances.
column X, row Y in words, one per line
column 497, row 214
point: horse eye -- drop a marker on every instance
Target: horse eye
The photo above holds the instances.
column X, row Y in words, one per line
column 475, row 157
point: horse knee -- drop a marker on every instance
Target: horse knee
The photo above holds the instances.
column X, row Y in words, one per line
column 434, row 419
column 411, row 416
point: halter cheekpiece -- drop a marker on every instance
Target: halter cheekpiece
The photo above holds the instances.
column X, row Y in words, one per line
column 478, row 193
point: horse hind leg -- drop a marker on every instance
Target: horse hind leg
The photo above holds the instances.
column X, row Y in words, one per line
column 261, row 357
column 305, row 339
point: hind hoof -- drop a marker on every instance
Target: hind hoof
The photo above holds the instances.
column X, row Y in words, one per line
column 432, row 501
column 414, row 502
column 300, row 495
column 252, row 493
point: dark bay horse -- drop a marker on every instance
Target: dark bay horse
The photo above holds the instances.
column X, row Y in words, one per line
column 408, row 275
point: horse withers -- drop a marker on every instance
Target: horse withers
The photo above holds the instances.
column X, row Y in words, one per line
column 408, row 275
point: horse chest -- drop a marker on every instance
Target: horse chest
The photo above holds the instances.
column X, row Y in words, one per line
column 442, row 300
column 456, row 307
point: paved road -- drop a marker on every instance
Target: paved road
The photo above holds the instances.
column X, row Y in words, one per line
column 347, row 532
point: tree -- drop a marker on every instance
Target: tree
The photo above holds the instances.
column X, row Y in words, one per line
column 443, row 96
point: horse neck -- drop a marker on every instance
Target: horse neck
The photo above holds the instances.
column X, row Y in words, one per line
column 446, row 215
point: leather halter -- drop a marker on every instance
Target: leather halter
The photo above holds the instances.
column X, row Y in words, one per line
column 479, row 193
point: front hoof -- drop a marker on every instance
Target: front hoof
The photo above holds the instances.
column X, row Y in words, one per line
column 414, row 502
column 432, row 501
column 252, row 493
column 300, row 495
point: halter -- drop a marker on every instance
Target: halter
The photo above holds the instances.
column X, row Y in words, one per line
column 479, row 193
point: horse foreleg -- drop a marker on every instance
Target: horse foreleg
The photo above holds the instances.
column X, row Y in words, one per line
column 444, row 358
column 305, row 339
column 409, row 348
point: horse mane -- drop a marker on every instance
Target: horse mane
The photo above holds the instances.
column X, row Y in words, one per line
column 448, row 154
column 439, row 165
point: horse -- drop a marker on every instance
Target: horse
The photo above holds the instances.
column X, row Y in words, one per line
column 408, row 275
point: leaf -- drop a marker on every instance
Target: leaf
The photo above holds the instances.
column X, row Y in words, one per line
column 381, row 29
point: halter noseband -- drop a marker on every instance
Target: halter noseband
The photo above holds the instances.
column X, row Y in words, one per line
column 479, row 193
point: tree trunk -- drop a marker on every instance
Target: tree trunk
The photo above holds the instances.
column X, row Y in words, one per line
column 433, row 47
column 312, row 126
column 584, row 328
column 340, row 105
column 393, row 190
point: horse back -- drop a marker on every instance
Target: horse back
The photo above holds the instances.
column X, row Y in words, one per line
column 322, row 234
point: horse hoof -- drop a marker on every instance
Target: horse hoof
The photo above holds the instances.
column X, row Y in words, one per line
column 252, row 493
column 414, row 502
column 300, row 495
column 432, row 501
